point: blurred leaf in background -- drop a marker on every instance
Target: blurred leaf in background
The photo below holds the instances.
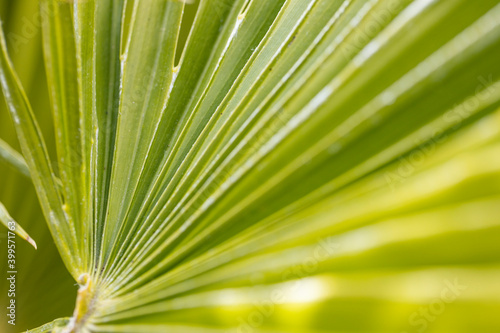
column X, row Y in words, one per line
column 44, row 288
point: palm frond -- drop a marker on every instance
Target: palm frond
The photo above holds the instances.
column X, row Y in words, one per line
column 275, row 166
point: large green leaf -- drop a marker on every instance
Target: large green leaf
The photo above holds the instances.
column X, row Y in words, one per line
column 271, row 166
